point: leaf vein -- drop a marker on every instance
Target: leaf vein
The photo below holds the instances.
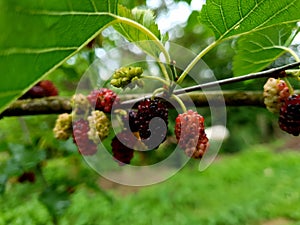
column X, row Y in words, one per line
column 13, row 51
column 242, row 19
column 94, row 5
column 274, row 15
column 212, row 24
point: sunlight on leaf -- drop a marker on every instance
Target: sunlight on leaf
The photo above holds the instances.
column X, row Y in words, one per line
column 233, row 18
column 132, row 34
column 259, row 49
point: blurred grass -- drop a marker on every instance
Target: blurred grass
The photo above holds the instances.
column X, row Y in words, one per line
column 250, row 187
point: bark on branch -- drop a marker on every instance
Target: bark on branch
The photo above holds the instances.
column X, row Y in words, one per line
column 57, row 105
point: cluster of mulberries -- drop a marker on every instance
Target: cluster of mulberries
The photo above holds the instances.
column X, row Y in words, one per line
column 190, row 134
column 275, row 93
column 145, row 126
column 44, row 88
column 277, row 98
column 189, row 127
column 89, row 126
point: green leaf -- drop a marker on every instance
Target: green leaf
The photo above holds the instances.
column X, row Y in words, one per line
column 38, row 36
column 259, row 49
column 133, row 34
column 237, row 17
column 55, row 200
column 24, row 157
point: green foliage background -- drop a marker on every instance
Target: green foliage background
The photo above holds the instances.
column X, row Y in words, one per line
column 255, row 185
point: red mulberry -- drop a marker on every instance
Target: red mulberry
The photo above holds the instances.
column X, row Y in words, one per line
column 289, row 119
column 103, row 99
column 81, row 139
column 122, row 147
column 275, row 93
column 190, row 134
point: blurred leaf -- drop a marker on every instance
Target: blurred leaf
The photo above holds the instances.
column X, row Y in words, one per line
column 228, row 19
column 38, row 36
column 12, row 168
column 259, row 49
column 132, row 34
column 56, row 201
column 26, row 157
column 3, row 179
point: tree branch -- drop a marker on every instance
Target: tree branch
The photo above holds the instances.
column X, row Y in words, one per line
column 38, row 106
column 57, row 105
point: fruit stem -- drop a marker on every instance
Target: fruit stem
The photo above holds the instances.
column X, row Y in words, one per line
column 291, row 51
column 156, row 78
column 180, row 102
column 146, row 31
column 151, row 36
column 294, row 73
column 195, row 61
column 288, row 84
column 158, row 90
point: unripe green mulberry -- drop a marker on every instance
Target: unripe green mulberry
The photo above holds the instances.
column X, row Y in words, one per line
column 127, row 77
column 99, row 126
column 63, row 126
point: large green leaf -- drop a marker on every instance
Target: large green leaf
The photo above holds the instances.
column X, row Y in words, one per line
column 237, row 17
column 259, row 49
column 144, row 17
column 37, row 36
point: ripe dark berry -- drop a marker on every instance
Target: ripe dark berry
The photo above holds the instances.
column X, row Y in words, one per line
column 103, row 99
column 27, row 176
column 275, row 93
column 49, row 87
column 34, row 92
column 190, row 134
column 149, row 109
column 130, row 122
column 42, row 89
column 289, row 119
column 81, row 139
column 122, row 147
